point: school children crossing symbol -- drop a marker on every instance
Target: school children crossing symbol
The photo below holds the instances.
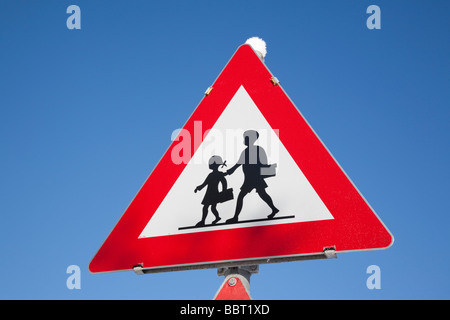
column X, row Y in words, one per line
column 245, row 180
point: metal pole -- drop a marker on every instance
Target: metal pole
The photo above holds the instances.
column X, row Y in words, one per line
column 236, row 285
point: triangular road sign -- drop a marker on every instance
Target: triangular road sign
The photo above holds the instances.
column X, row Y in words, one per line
column 245, row 180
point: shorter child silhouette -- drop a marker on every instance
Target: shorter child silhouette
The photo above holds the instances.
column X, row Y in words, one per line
column 212, row 191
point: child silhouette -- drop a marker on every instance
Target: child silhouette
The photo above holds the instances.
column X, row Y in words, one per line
column 253, row 161
column 212, row 191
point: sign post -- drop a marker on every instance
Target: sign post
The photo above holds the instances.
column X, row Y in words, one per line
column 236, row 285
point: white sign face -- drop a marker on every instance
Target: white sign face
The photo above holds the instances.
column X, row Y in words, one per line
column 182, row 210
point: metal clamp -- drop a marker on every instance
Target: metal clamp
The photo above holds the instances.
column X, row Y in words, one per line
column 208, row 91
column 138, row 269
column 330, row 252
column 275, row 81
column 248, row 269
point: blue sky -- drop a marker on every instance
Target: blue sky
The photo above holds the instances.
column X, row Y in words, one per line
column 85, row 115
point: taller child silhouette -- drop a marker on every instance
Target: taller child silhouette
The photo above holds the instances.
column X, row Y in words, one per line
column 252, row 159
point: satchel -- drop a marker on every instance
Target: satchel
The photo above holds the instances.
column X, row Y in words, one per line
column 267, row 172
column 225, row 195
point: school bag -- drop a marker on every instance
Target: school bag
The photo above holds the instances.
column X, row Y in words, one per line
column 225, row 195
